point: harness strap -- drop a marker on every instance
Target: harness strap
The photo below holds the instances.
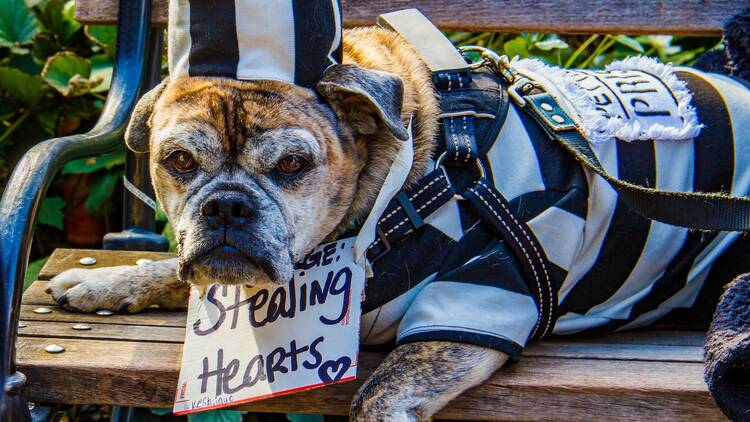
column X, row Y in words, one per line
column 495, row 210
column 713, row 211
column 406, row 212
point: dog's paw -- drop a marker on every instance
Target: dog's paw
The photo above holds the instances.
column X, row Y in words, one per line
column 83, row 290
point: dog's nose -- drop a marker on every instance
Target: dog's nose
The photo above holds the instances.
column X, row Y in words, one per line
column 227, row 211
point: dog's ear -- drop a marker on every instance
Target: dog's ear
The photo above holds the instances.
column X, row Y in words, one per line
column 138, row 133
column 369, row 100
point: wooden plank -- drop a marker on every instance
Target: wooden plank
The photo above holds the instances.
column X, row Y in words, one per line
column 106, row 330
column 145, row 374
column 63, row 259
column 154, row 317
column 684, row 17
column 102, row 331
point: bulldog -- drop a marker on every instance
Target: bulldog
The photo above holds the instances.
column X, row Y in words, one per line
column 254, row 174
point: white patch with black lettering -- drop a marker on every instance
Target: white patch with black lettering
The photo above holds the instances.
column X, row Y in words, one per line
column 636, row 99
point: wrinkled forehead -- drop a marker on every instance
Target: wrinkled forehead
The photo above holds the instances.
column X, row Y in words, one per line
column 232, row 112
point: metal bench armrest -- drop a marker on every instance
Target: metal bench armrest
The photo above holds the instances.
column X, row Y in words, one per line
column 34, row 173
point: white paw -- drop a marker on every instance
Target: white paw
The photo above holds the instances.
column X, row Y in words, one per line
column 84, row 290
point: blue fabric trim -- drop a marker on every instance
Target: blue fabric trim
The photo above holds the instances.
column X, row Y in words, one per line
column 509, row 347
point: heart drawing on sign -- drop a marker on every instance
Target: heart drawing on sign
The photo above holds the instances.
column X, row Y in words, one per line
column 336, row 367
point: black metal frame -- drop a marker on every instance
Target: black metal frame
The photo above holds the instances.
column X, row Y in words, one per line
column 34, row 173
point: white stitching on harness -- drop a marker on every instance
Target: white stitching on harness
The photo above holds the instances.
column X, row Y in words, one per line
column 401, row 223
column 467, row 140
column 424, row 188
column 528, row 258
column 454, row 138
column 536, row 251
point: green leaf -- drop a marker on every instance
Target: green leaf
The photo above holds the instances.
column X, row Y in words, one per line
column 629, row 42
column 101, row 191
column 104, row 36
column 92, row 164
column 517, row 47
column 50, row 212
column 299, row 417
column 551, row 44
column 17, row 23
column 32, row 271
column 25, row 87
column 101, row 68
column 216, row 416
column 69, row 74
column 44, row 46
column 48, row 119
column 71, row 24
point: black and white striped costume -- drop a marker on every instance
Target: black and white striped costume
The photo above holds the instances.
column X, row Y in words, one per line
column 287, row 40
column 613, row 269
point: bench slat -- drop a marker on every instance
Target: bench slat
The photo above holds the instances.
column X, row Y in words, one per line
column 145, row 374
column 63, row 259
column 152, row 317
column 684, row 17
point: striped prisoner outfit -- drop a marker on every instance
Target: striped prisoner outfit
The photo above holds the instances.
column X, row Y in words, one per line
column 613, row 269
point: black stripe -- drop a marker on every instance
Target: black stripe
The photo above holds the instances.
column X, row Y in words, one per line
column 214, row 49
column 314, row 33
column 714, row 146
column 625, row 238
column 412, row 260
column 507, row 346
column 560, row 171
column 714, row 170
column 494, row 267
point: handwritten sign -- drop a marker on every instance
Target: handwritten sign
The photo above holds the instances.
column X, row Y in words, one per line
column 244, row 344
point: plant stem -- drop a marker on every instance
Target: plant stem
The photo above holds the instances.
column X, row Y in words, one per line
column 14, row 126
column 580, row 50
column 606, row 43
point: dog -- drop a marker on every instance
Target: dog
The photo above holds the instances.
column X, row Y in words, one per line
column 254, row 174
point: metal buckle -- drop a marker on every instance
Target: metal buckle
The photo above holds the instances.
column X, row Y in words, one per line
column 439, row 165
column 384, row 241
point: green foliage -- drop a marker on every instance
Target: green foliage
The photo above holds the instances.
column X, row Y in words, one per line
column 216, row 416
column 54, row 73
column 32, row 272
column 594, row 51
column 51, row 212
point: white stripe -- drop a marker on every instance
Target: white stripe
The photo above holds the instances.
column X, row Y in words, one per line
column 447, row 220
column 178, row 38
column 572, row 323
column 462, row 307
column 265, row 36
column 513, row 159
column 601, row 206
column 381, row 324
column 674, row 172
column 560, row 234
column 337, row 37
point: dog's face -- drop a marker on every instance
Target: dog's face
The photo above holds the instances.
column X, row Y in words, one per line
column 254, row 174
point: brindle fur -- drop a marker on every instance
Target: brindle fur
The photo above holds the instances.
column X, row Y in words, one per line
column 237, row 131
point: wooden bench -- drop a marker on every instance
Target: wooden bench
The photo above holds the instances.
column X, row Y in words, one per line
column 133, row 360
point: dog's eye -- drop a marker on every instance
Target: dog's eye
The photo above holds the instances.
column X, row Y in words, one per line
column 182, row 162
column 291, row 164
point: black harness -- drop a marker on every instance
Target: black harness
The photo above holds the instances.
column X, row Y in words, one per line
column 473, row 103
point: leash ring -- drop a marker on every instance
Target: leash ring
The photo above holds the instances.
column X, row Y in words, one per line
column 439, row 165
